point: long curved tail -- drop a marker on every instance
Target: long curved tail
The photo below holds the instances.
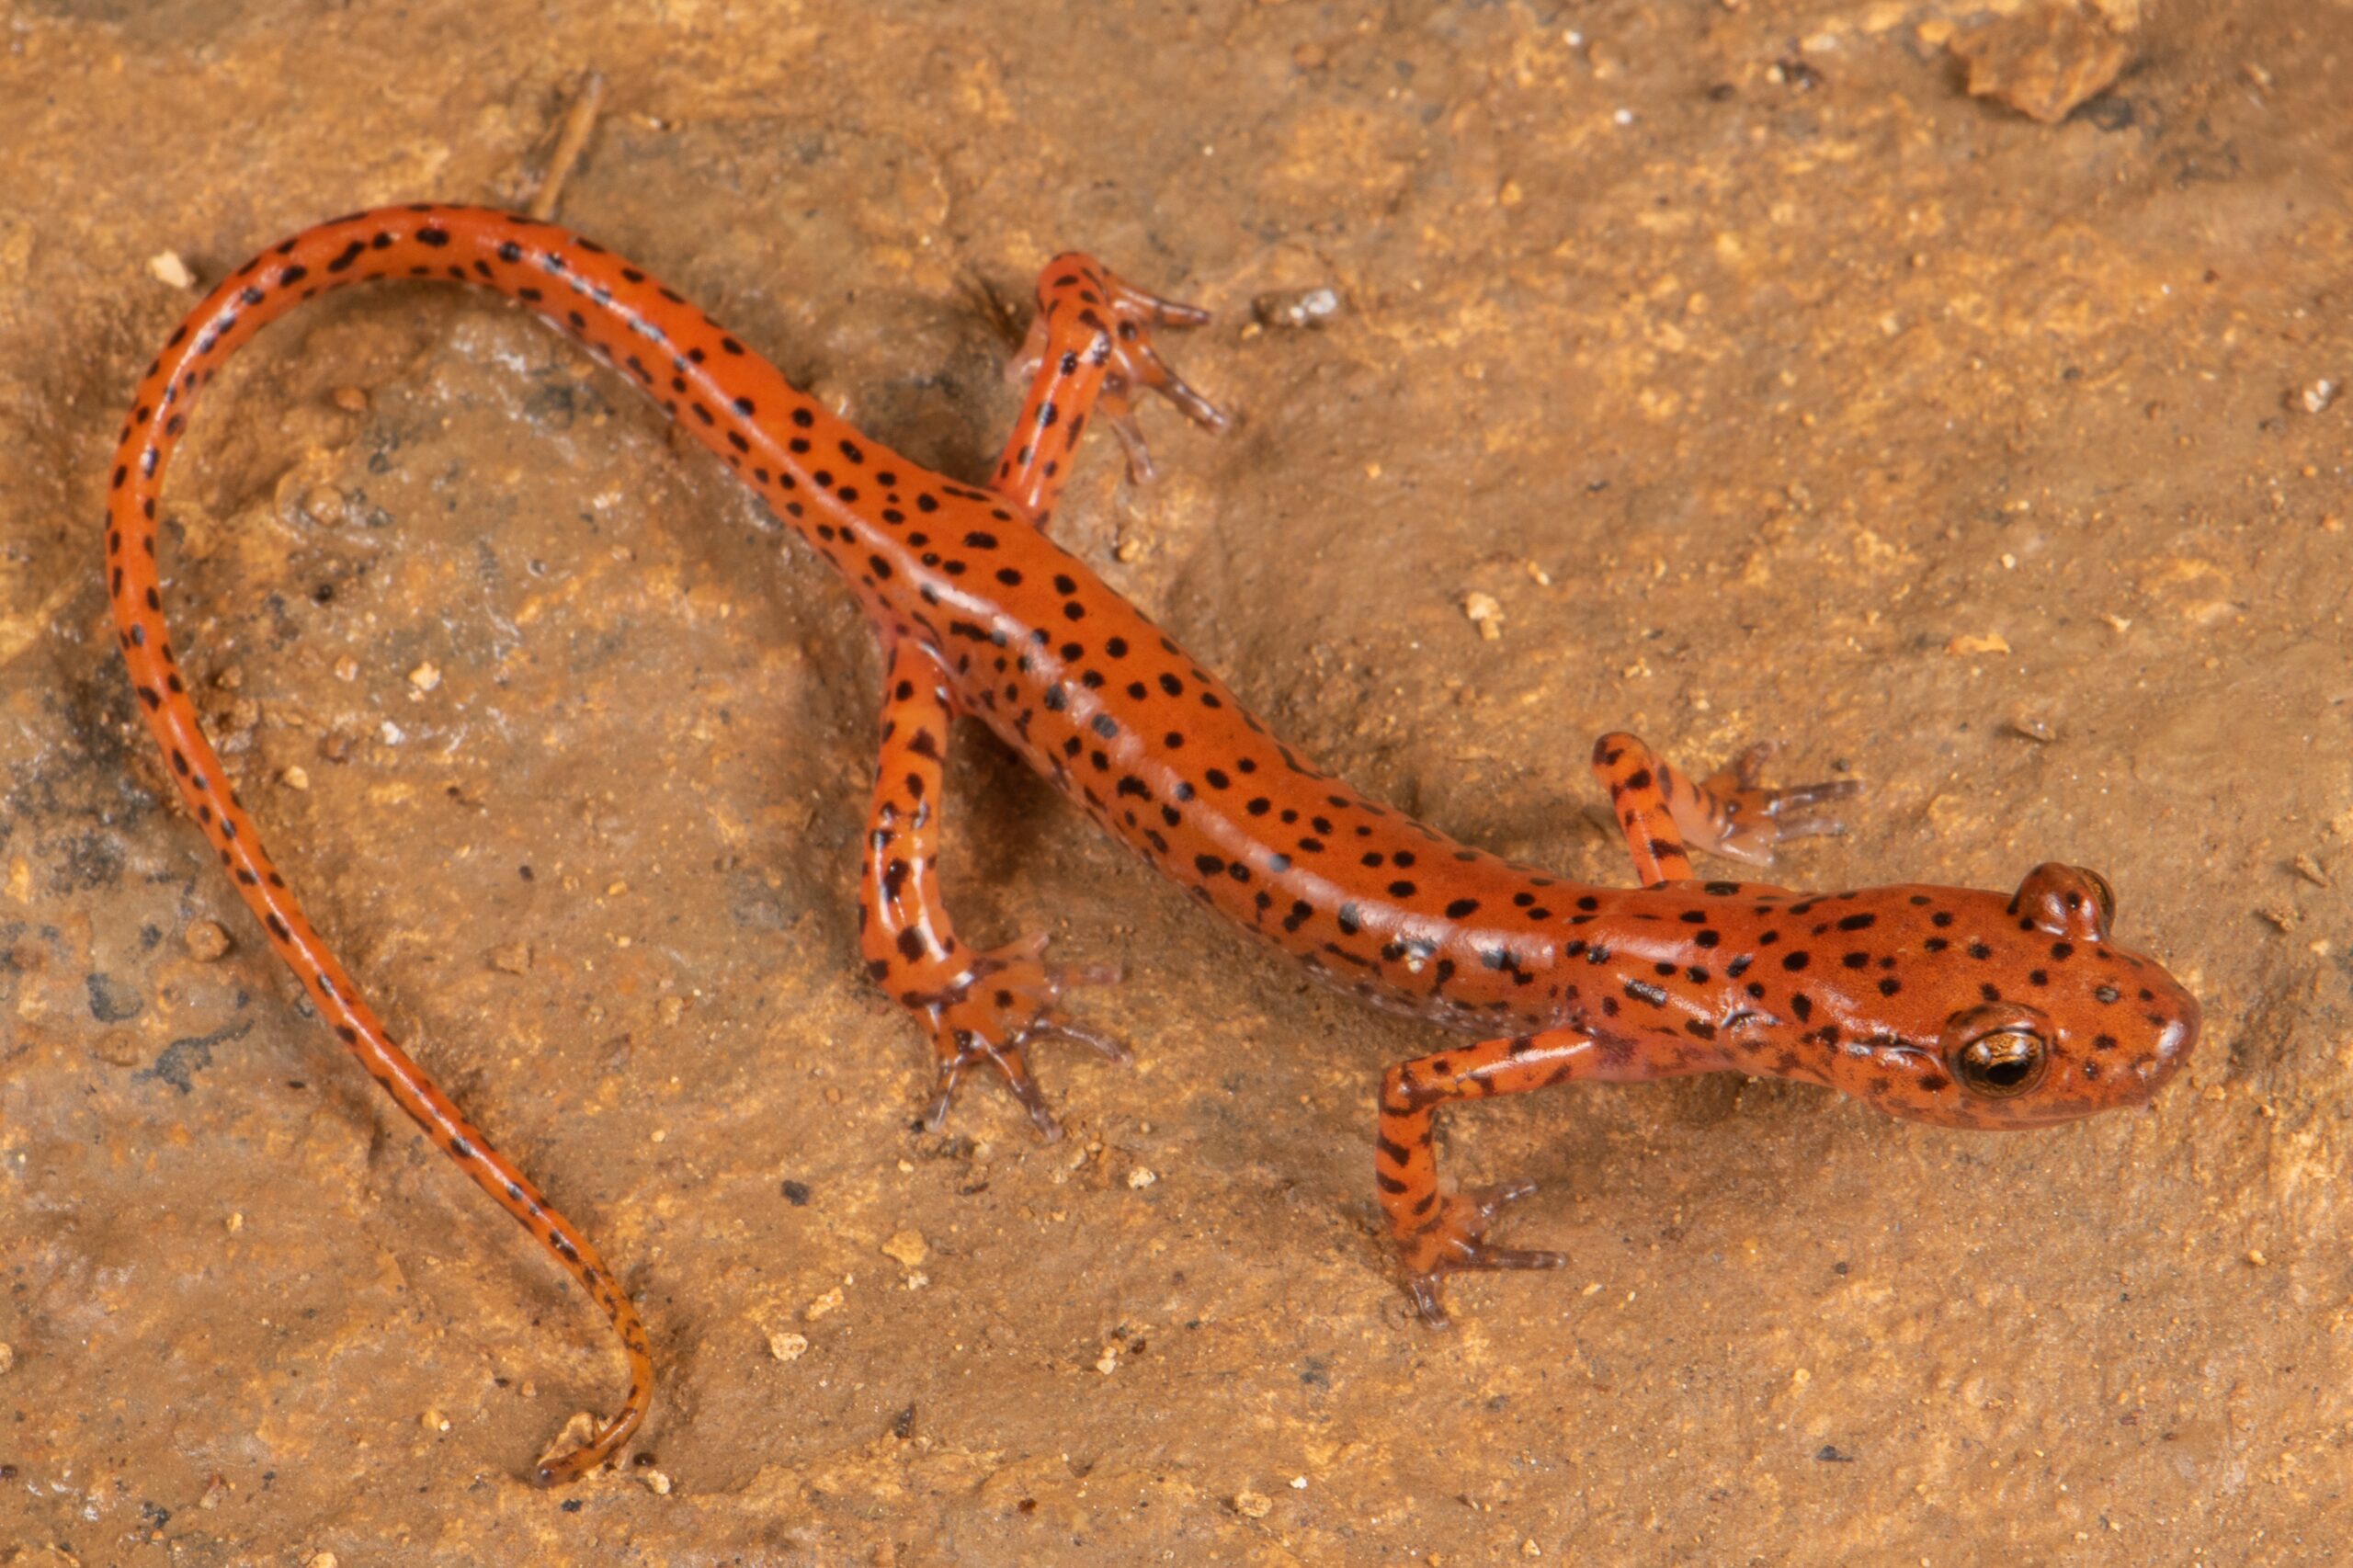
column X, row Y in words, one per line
column 644, row 328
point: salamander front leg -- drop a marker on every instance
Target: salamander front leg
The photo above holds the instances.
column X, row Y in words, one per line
column 1088, row 353
column 1438, row 1231
column 1664, row 813
column 982, row 1008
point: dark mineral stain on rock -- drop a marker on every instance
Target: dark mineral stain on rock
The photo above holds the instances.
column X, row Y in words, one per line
column 183, row 1058
column 111, row 1001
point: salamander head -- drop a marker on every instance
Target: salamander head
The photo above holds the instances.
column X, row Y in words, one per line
column 1974, row 1009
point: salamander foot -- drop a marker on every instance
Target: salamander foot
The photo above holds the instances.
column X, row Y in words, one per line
column 1749, row 820
column 1123, row 344
column 1454, row 1238
column 1007, row 1000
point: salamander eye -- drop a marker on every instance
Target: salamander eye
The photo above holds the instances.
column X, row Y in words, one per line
column 2105, row 894
column 2002, row 1062
column 2066, row 901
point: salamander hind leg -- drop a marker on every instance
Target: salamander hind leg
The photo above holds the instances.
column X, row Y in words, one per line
column 1088, row 354
column 1664, row 812
column 982, row 1008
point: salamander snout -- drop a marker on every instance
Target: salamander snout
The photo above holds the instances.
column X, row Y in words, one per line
column 2094, row 1025
column 2143, row 1015
column 2176, row 1037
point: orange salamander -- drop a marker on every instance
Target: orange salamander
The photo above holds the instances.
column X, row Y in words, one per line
column 1958, row 1007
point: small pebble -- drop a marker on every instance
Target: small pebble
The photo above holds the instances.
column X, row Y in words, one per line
column 655, row 1483
column 323, row 1560
column 323, row 504
column 1253, row 1504
column 295, row 778
column 830, row 1301
column 426, row 677
column 1298, row 307
column 2319, row 395
column 907, row 1247
column 433, row 1421
column 514, row 958
column 351, row 400
column 2310, row 869
column 346, row 668
column 788, row 1347
column 216, row 1491
column 167, row 269
column 1142, row 1177
column 1991, row 643
column 205, row 940
column 2032, row 728
column 119, row 1047
column 1485, row 612
column 7, row 1356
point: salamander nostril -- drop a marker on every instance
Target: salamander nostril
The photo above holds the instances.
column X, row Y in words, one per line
column 2180, row 1036
column 2174, row 1043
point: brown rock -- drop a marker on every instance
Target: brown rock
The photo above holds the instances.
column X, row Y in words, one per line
column 205, row 940
column 2045, row 59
